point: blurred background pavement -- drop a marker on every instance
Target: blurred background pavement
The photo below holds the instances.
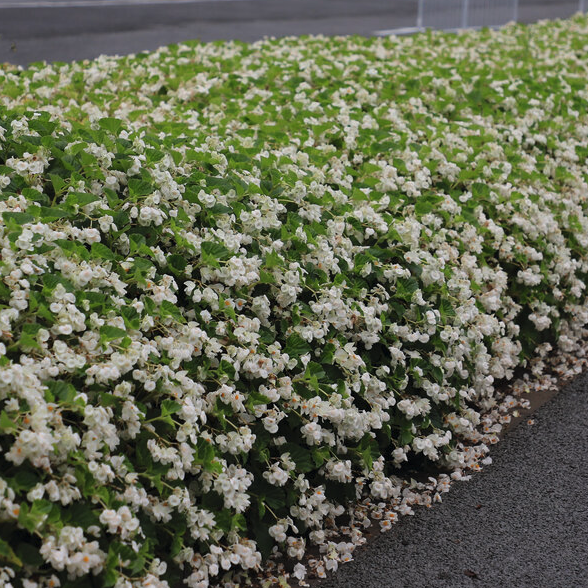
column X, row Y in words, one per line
column 62, row 30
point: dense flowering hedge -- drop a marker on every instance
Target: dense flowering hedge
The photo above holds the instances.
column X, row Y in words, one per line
column 243, row 285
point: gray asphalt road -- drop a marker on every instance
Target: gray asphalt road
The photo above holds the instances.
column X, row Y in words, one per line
column 520, row 523
column 65, row 30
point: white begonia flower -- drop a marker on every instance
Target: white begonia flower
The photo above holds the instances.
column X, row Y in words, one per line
column 299, row 571
column 339, row 471
column 91, row 235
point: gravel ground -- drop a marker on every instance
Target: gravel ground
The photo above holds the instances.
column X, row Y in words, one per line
column 522, row 522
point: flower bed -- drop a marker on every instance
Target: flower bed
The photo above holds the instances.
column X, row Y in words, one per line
column 243, row 286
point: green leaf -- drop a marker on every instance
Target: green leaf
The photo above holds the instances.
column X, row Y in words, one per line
column 138, row 187
column 80, row 198
column 266, row 277
column 212, row 253
column 224, row 519
column 315, row 369
column 6, row 423
column 328, row 353
column 406, row 436
column 239, row 522
column 178, row 540
column 426, row 204
column 320, row 455
column 59, row 184
column 62, row 391
column 177, row 263
column 40, row 508
column 72, row 249
column 110, row 575
column 170, row 407
column 480, row 191
column 50, row 282
column 226, row 307
column 406, row 287
column 52, row 213
column 226, row 368
column 131, row 317
column 296, row 346
column 168, row 309
column 295, row 315
column 26, row 343
column 265, row 542
column 221, row 209
column 109, row 333
column 29, row 554
column 369, row 450
column 112, row 125
column 26, row 479
column 273, row 259
column 31, row 329
column 7, row 554
column 256, row 398
column 20, row 218
column 81, row 514
column 302, row 457
column 102, row 251
column 27, row 519
column 446, row 310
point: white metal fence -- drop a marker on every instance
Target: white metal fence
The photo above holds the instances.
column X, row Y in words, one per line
column 464, row 14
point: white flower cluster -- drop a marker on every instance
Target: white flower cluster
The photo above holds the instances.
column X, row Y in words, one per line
column 252, row 284
column 71, row 551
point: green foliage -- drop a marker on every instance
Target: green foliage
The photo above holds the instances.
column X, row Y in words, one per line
column 241, row 285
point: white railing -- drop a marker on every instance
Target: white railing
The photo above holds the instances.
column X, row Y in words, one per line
column 465, row 14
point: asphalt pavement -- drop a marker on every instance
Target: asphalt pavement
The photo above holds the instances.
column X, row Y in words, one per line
column 520, row 523
column 67, row 30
